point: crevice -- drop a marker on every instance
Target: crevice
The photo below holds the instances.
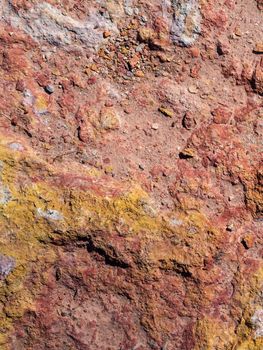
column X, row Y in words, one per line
column 244, row 244
column 110, row 257
column 182, row 270
column 110, row 260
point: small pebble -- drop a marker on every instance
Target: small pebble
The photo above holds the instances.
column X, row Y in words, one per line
column 106, row 34
column 140, row 48
column 258, row 48
column 238, row 32
column 187, row 153
column 230, row 227
column 49, row 89
column 139, row 74
column 155, row 126
column 129, row 11
column 167, row 112
column 193, row 89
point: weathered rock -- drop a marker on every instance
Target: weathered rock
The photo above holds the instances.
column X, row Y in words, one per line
column 186, row 24
column 221, row 115
column 145, row 34
column 109, row 119
column 260, row 4
column 45, row 22
column 257, row 79
column 130, row 175
column 189, row 122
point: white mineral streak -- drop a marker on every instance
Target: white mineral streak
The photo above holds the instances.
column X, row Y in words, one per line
column 45, row 22
column 7, row 264
column 257, row 320
column 5, row 194
column 186, row 24
column 49, row 214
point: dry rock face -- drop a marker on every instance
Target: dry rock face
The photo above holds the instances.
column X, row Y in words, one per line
column 131, row 175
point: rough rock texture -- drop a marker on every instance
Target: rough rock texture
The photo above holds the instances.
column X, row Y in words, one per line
column 131, row 175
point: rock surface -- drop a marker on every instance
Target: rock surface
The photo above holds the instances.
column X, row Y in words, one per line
column 131, row 175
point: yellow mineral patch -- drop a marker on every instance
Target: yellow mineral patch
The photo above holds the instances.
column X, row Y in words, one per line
column 41, row 104
column 39, row 212
column 241, row 337
column 166, row 112
column 256, row 344
column 37, row 209
column 215, row 334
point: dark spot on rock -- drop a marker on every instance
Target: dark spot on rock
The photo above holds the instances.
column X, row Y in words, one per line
column 58, row 274
column 244, row 244
column 49, row 89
